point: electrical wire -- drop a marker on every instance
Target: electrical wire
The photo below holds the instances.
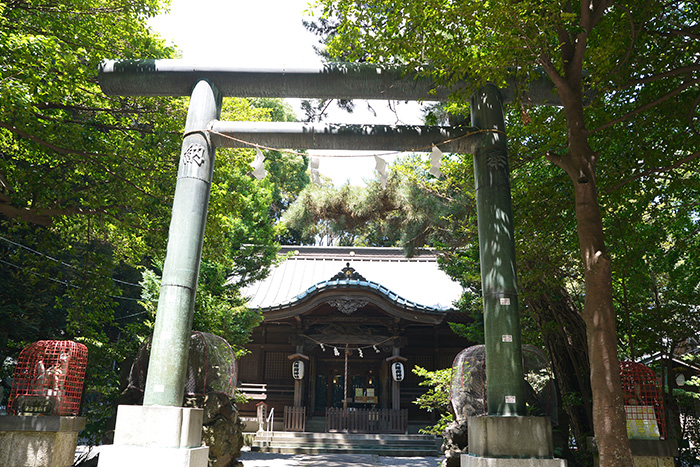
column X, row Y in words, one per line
column 39, row 275
column 132, row 314
column 63, row 263
column 65, row 283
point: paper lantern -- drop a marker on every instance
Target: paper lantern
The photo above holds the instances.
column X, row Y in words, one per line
column 397, row 371
column 298, row 369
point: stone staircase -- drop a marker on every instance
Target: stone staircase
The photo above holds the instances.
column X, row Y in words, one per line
column 340, row 443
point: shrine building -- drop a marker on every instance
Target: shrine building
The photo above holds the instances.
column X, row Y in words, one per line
column 343, row 329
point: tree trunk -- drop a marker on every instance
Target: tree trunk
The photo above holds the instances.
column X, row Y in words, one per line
column 563, row 332
column 608, row 405
column 609, row 420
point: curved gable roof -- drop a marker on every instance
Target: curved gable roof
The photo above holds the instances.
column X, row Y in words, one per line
column 404, row 285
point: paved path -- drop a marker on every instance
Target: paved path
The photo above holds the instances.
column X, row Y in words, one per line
column 263, row 459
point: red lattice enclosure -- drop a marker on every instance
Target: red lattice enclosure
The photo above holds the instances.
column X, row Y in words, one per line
column 644, row 403
column 49, row 378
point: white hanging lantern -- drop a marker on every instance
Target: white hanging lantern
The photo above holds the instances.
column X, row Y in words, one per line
column 397, row 371
column 298, row 369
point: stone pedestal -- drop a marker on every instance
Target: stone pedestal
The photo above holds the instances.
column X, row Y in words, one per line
column 647, row 452
column 510, row 442
column 38, row 440
column 145, row 436
column 654, row 452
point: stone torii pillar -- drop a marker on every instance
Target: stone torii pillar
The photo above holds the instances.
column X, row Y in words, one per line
column 162, row 432
column 167, row 367
column 504, row 366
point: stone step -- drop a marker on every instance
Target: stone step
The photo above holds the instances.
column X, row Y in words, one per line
column 388, row 452
column 341, row 443
column 379, row 445
column 349, row 436
column 344, row 440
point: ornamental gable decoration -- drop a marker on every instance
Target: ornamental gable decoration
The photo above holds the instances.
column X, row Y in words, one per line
column 348, row 273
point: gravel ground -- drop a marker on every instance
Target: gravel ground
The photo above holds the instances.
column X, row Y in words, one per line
column 263, row 459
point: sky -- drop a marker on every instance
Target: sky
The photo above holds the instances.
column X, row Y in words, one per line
column 271, row 33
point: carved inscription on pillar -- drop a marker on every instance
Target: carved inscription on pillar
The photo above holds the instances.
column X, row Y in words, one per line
column 348, row 305
column 496, row 158
column 195, row 154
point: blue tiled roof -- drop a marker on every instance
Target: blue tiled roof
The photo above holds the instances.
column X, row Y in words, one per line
column 356, row 284
column 412, row 284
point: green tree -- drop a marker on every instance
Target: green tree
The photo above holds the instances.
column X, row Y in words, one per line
column 67, row 150
column 688, row 399
column 84, row 179
column 436, row 398
column 413, row 211
column 571, row 42
column 86, row 187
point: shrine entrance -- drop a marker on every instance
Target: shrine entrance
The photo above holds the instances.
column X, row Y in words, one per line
column 323, row 309
column 364, row 387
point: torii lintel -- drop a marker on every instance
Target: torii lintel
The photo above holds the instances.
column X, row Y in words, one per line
column 328, row 81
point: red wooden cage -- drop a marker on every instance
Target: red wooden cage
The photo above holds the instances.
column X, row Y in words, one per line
column 49, row 378
column 644, row 404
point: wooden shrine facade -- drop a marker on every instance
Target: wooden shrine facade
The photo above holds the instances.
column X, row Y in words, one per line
column 347, row 330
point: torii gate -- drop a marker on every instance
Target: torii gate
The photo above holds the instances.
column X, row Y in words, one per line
column 207, row 85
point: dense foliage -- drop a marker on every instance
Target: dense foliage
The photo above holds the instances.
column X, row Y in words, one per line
column 410, row 211
column 86, row 188
column 627, row 77
column 436, row 398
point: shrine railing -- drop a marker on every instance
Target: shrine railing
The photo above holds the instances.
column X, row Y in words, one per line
column 294, row 418
column 366, row 420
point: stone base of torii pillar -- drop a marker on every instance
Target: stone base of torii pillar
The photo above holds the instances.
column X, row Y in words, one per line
column 145, row 436
column 499, row 441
